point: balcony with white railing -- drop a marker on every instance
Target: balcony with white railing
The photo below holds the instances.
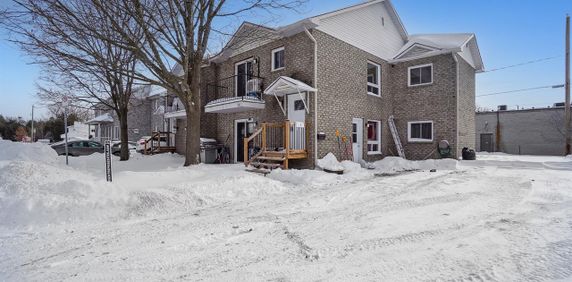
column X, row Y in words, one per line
column 239, row 93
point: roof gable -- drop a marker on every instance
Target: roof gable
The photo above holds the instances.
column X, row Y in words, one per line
column 426, row 45
column 248, row 36
column 372, row 26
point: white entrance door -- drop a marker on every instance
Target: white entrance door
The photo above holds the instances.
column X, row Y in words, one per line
column 296, row 110
column 357, row 139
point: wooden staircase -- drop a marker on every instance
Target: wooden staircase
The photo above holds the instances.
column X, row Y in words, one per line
column 156, row 145
column 274, row 144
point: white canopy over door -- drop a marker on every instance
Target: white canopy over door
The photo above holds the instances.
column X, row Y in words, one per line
column 284, row 86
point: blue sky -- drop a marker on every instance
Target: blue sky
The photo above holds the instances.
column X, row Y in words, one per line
column 508, row 32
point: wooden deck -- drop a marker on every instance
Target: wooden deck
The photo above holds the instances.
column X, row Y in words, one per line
column 276, row 148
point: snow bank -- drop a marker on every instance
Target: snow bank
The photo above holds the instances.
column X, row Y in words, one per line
column 38, row 189
column 330, row 162
column 10, row 151
column 397, row 164
column 317, row 178
column 39, row 193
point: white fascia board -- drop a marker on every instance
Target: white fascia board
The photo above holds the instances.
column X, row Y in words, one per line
column 426, row 55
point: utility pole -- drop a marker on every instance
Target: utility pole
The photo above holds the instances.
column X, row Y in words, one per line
column 567, row 107
column 32, row 123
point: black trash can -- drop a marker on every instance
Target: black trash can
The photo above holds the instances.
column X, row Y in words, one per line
column 469, row 154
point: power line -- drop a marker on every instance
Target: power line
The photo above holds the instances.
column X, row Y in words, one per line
column 522, row 64
column 522, row 90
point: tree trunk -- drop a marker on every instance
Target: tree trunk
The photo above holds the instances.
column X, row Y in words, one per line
column 193, row 109
column 193, row 134
column 124, row 137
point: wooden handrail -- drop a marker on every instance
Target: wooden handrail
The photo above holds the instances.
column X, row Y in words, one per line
column 276, row 135
column 245, row 144
column 157, row 135
column 286, row 142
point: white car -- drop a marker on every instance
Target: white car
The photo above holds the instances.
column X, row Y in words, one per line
column 141, row 143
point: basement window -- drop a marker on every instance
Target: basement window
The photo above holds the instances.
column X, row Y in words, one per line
column 420, row 75
column 420, row 131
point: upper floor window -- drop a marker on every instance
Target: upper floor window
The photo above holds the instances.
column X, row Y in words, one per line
column 420, row 131
column 373, row 79
column 420, row 75
column 278, row 59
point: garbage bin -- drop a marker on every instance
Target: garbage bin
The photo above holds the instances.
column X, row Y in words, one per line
column 208, row 150
column 468, row 154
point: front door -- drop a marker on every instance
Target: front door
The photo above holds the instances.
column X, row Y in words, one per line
column 487, row 142
column 243, row 72
column 243, row 129
column 357, row 139
column 296, row 109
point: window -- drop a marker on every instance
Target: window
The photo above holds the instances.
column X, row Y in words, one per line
column 94, row 145
column 373, row 79
column 373, row 137
column 278, row 59
column 116, row 132
column 420, row 75
column 420, row 131
column 298, row 105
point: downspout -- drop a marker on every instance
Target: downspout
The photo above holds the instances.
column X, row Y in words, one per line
column 457, row 102
column 315, row 95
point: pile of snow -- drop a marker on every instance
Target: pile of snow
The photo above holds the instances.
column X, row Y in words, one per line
column 317, row 178
column 397, row 164
column 39, row 193
column 10, row 151
column 38, row 189
column 330, row 162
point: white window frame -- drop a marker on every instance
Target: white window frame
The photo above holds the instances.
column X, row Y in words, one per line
column 378, row 85
column 377, row 142
column 251, row 59
column 274, row 51
column 416, row 67
column 420, row 140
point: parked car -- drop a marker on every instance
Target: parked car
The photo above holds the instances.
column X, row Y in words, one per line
column 116, row 148
column 43, row 141
column 78, row 148
column 141, row 142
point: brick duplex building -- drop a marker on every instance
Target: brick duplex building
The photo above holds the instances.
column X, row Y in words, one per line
column 290, row 90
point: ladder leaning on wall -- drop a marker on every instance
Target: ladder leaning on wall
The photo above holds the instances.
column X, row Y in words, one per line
column 396, row 139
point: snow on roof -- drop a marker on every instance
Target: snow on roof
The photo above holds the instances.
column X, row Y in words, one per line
column 157, row 90
column 440, row 41
column 101, row 119
column 436, row 44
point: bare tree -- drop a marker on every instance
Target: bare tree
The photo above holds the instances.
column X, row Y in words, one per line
column 59, row 34
column 177, row 32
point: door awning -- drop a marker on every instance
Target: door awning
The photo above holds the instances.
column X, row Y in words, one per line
column 285, row 85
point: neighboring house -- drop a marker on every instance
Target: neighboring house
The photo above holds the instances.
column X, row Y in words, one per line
column 77, row 131
column 537, row 131
column 347, row 71
column 141, row 117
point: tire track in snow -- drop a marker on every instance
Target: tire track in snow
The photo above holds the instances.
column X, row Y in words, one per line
column 384, row 242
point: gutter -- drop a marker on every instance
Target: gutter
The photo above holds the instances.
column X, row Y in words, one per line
column 457, row 101
column 315, row 94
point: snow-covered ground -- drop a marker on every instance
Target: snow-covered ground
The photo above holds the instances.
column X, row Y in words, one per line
column 500, row 218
